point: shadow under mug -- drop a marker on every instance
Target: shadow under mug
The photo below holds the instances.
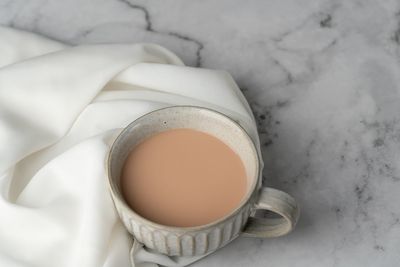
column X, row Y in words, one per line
column 204, row 239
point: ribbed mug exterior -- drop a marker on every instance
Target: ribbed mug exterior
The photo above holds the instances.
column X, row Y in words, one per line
column 181, row 241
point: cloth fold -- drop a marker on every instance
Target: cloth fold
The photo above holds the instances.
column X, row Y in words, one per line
column 60, row 109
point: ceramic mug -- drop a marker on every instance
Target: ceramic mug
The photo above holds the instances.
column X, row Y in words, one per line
column 204, row 239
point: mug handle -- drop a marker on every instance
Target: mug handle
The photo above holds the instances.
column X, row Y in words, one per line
column 278, row 202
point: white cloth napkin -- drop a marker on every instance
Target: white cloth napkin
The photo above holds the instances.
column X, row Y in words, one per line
column 60, row 109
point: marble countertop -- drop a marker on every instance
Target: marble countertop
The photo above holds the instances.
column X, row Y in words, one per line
column 323, row 79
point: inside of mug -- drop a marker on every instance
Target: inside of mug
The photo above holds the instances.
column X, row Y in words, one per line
column 199, row 119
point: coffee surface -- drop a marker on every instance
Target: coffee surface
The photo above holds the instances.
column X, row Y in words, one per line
column 183, row 178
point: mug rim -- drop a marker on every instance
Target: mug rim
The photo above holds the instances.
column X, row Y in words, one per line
column 244, row 201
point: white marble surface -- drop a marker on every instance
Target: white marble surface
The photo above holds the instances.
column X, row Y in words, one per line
column 323, row 78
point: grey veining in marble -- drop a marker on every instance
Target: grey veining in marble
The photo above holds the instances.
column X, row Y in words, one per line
column 323, row 79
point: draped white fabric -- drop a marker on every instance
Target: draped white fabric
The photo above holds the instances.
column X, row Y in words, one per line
column 60, row 109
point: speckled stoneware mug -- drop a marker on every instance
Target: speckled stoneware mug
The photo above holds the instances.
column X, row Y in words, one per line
column 204, row 239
